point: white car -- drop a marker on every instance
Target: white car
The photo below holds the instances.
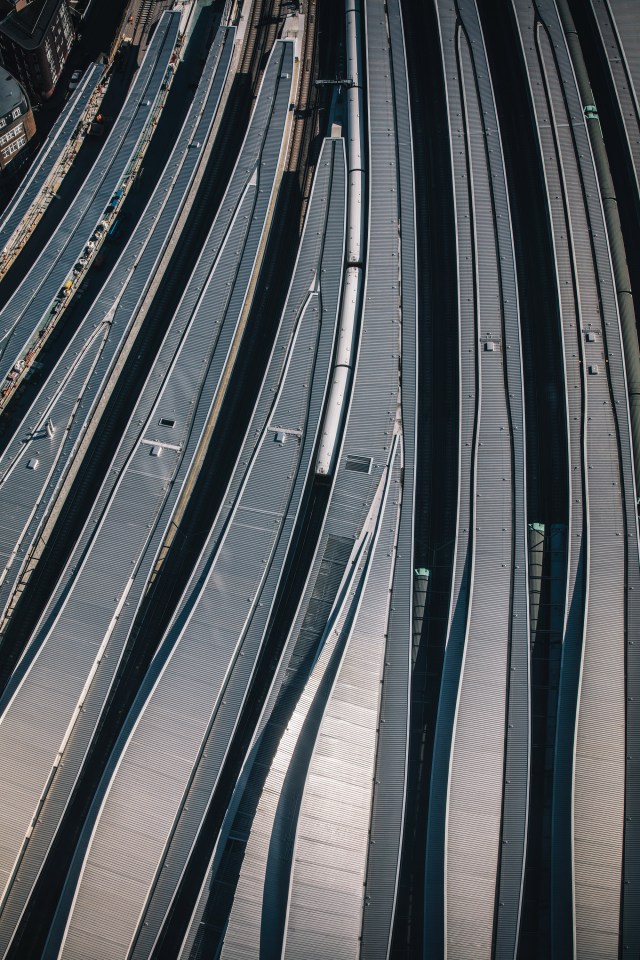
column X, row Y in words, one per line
column 75, row 79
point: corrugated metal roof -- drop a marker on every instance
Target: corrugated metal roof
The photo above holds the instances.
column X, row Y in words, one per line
column 74, row 655
column 328, row 894
column 617, row 24
column 286, row 689
column 182, row 722
column 574, row 614
column 389, row 792
column 616, row 21
column 477, row 822
column 258, row 910
column 589, row 780
column 28, row 308
column 68, row 398
column 49, row 153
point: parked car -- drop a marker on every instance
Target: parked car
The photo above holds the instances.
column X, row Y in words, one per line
column 75, row 79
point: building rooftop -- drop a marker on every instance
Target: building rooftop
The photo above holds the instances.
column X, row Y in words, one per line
column 11, row 93
column 28, row 26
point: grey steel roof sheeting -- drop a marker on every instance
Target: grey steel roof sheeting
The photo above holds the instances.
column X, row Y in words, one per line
column 589, row 781
column 67, row 671
column 69, row 396
column 286, row 689
column 49, row 154
column 328, row 892
column 617, row 22
column 372, row 421
column 387, row 814
column 25, row 312
column 476, row 837
column 613, row 225
column 573, row 612
column 267, row 892
column 180, row 727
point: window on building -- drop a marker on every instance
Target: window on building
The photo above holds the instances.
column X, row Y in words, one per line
column 16, row 113
column 14, row 147
column 14, row 132
column 3, row 123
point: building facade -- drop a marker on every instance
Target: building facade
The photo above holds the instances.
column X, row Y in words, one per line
column 17, row 125
column 35, row 41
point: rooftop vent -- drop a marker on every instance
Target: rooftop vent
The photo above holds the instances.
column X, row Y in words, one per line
column 359, row 464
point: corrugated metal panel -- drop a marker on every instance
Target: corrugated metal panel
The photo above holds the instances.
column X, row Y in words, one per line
column 108, row 572
column 371, row 423
column 589, row 780
column 28, row 308
column 292, row 675
column 266, row 804
column 49, row 154
column 477, row 827
column 599, row 764
column 516, row 770
column 617, row 21
column 468, row 402
column 390, row 779
column 179, row 726
column 330, row 269
column 68, row 398
column 624, row 15
column 576, row 572
column 332, row 843
column 260, row 904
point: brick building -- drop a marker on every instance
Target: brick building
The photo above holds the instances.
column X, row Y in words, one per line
column 35, row 40
column 17, row 125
